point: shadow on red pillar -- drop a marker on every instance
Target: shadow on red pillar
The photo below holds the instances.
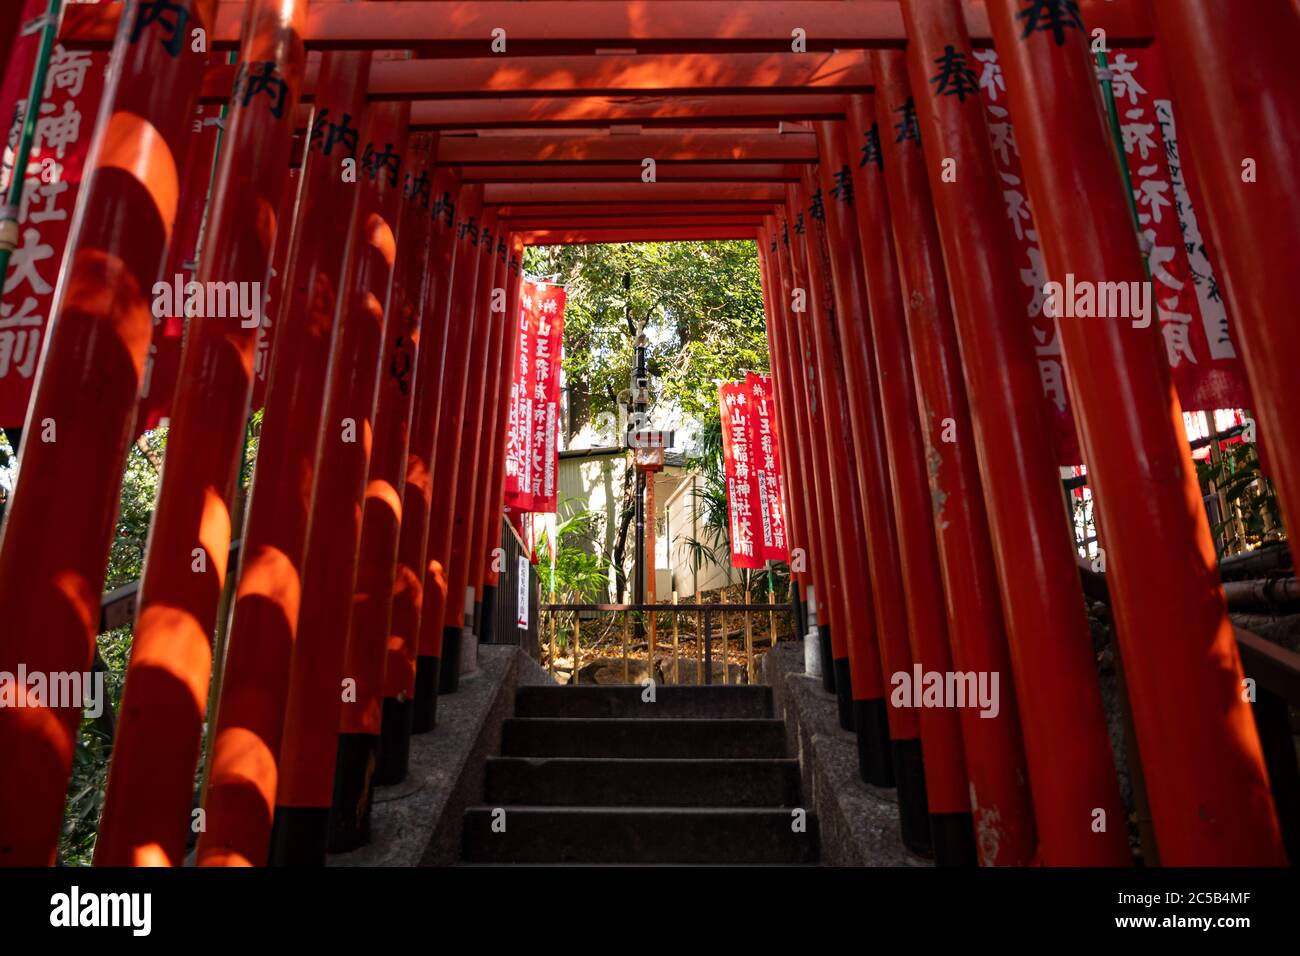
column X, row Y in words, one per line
column 995, row 759
column 472, row 450
column 793, row 491
column 1206, row 780
column 464, row 329
column 1071, row 770
column 318, row 682
column 149, row 797
column 857, row 678
column 1233, row 69
column 405, row 667
column 947, row 785
column 862, row 390
column 52, row 559
column 489, row 575
column 823, row 555
column 240, row 797
column 372, row 602
column 496, row 403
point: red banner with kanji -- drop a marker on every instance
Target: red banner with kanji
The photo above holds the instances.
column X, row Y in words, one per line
column 74, row 86
column 519, row 486
column 532, row 445
column 1199, row 341
column 743, row 507
column 767, row 466
column 1186, row 302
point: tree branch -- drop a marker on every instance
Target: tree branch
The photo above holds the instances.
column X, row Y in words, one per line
column 142, row 444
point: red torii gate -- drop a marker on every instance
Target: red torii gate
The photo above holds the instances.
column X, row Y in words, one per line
column 879, row 334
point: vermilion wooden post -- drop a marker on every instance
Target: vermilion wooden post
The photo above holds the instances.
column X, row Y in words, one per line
column 786, row 430
column 837, row 678
column 381, row 522
column 52, row 559
column 151, row 780
column 1233, row 71
column 489, row 502
column 469, row 490
column 947, row 787
column 240, row 798
column 431, row 398
column 823, row 551
column 862, row 392
column 491, row 281
column 995, row 760
column 796, row 398
column 511, row 280
column 1067, row 744
column 274, row 288
column 319, row 681
column 1205, row 779
column 514, row 299
column 859, row 668
column 463, row 331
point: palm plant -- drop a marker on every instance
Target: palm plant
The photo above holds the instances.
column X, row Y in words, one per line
column 713, row 546
column 579, row 569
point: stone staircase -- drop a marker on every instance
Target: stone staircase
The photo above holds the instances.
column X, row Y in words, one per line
column 599, row 775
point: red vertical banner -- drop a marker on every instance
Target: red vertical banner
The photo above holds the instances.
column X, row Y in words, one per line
column 1199, row 341
column 767, row 466
column 159, row 380
column 519, row 486
column 1200, row 346
column 742, row 487
column 532, row 446
column 73, row 87
column 548, row 345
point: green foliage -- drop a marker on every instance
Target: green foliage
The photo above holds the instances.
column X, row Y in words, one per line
column 700, row 302
column 1246, row 492
column 139, row 489
column 708, row 457
column 713, row 546
column 85, row 795
column 581, row 570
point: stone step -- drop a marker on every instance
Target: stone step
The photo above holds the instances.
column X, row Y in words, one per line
column 627, row 700
column 637, row 835
column 616, row 782
column 643, row 737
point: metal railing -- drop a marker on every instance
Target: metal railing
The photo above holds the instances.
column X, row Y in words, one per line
column 568, row 621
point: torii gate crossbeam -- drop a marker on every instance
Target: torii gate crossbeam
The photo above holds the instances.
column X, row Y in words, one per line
column 569, row 26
